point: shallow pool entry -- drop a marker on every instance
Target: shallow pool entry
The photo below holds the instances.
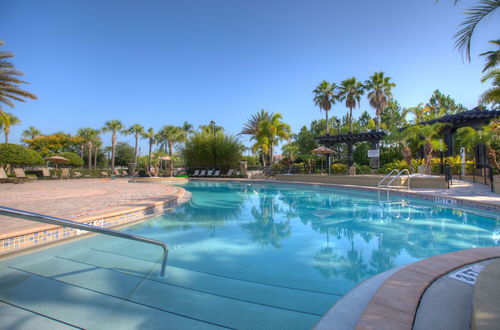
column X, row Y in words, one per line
column 245, row 256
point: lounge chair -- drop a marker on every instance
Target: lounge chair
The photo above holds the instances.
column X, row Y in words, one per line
column 202, row 173
column 196, row 173
column 117, row 173
column 65, row 173
column 19, row 173
column 229, row 173
column 210, row 172
column 46, row 173
column 77, row 175
column 125, row 173
column 104, row 174
column 217, row 173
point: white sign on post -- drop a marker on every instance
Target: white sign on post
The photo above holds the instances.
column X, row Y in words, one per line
column 462, row 157
column 374, row 153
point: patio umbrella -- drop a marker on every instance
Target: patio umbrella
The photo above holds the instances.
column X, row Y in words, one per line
column 167, row 158
column 323, row 151
column 57, row 160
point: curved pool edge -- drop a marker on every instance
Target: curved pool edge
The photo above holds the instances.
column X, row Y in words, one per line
column 22, row 241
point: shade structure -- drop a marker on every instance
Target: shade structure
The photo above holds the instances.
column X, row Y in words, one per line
column 164, row 158
column 322, row 150
column 57, row 159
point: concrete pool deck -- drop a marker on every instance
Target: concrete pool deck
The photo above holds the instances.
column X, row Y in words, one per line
column 102, row 202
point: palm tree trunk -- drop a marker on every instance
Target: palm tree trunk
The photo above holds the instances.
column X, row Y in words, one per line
column 149, row 157
column 89, row 155
column 136, row 147
column 6, row 136
column 95, row 158
column 350, row 120
column 113, row 146
column 492, row 157
column 326, row 111
column 379, row 111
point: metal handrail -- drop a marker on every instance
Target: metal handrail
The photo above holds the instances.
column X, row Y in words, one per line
column 31, row 216
column 399, row 175
column 385, row 177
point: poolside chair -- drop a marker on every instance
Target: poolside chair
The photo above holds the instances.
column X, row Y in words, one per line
column 46, row 173
column 202, row 173
column 77, row 175
column 104, row 174
column 229, row 173
column 19, row 173
column 210, row 173
column 125, row 173
column 116, row 173
column 217, row 173
column 65, row 173
column 5, row 179
column 196, row 173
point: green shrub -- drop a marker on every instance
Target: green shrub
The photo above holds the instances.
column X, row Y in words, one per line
column 398, row 164
column 15, row 154
column 389, row 155
column 74, row 159
column 363, row 169
column 338, row 168
column 360, row 154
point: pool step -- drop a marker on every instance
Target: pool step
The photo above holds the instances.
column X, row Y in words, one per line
column 173, row 300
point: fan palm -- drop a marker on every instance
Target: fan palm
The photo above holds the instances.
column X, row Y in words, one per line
column 350, row 91
column 9, row 82
column 151, row 136
column 113, row 126
column 170, row 135
column 187, row 128
column 137, row 130
column 380, row 92
column 489, row 135
column 492, row 56
column 325, row 95
column 6, row 121
column 31, row 133
column 491, row 95
column 251, row 127
column 427, row 134
column 270, row 133
column 90, row 136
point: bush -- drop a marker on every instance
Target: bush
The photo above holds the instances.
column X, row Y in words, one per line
column 390, row 155
column 74, row 159
column 15, row 154
column 338, row 168
column 360, row 154
column 398, row 164
column 363, row 169
column 124, row 154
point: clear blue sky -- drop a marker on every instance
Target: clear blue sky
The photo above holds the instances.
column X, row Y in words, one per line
column 164, row 62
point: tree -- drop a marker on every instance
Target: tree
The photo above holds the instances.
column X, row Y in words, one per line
column 291, row 151
column 491, row 95
column 364, row 119
column 15, row 154
column 124, row 154
column 379, row 92
column 137, row 130
column 204, row 150
column 489, row 135
column 89, row 136
column 251, row 127
column 31, row 133
column 270, row 133
column 9, row 82
column 428, row 139
column 151, row 136
column 55, row 143
column 350, row 91
column 6, row 121
column 187, row 128
column 393, row 116
column 440, row 105
column 492, row 56
column 74, row 159
column 325, row 95
column 113, row 126
column 171, row 135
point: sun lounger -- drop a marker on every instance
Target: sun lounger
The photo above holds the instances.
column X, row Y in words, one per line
column 5, row 179
column 125, row 173
column 196, row 173
column 202, row 173
column 104, row 174
column 65, row 173
column 229, row 173
column 77, row 175
column 46, row 173
column 210, row 172
column 217, row 173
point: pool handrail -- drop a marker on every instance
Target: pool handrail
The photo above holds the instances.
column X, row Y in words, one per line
column 31, row 216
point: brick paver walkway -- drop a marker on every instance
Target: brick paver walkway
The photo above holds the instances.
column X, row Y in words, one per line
column 72, row 199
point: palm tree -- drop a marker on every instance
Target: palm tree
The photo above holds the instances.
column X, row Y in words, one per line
column 489, row 135
column 137, row 130
column 31, row 133
column 252, row 125
column 187, row 128
column 113, row 126
column 351, row 91
column 151, row 136
column 492, row 56
column 9, row 82
column 324, row 97
column 428, row 138
column 491, row 95
column 170, row 135
column 6, row 121
column 380, row 92
column 89, row 135
column 270, row 133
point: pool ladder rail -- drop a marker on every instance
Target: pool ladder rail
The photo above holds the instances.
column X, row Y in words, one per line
column 395, row 175
column 31, row 216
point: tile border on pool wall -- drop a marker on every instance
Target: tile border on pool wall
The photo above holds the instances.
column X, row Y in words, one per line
column 24, row 241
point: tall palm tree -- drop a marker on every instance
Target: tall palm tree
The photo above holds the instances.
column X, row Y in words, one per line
column 113, row 126
column 89, row 135
column 6, row 121
column 492, row 94
column 31, row 133
column 325, row 96
column 379, row 92
column 188, row 128
column 170, row 135
column 350, row 91
column 9, row 82
column 137, row 130
column 492, row 56
column 151, row 136
column 489, row 135
column 270, row 133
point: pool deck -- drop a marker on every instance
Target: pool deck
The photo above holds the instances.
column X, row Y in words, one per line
column 81, row 200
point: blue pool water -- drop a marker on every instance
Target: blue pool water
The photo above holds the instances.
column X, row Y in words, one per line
column 244, row 256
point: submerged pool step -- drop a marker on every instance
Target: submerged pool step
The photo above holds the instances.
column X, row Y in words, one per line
column 81, row 307
column 264, row 294
column 232, row 313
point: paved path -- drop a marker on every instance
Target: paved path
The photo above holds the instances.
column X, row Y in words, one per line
column 72, row 199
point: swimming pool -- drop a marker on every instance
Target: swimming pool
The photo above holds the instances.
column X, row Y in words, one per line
column 242, row 255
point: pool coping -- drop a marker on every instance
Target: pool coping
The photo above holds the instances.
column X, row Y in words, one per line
column 15, row 241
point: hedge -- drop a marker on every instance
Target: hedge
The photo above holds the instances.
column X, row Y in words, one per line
column 74, row 159
column 15, row 154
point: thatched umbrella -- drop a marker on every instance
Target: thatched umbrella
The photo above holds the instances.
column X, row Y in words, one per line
column 323, row 151
column 57, row 160
column 166, row 158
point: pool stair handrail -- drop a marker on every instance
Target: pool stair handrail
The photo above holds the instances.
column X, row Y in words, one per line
column 31, row 216
column 382, row 184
